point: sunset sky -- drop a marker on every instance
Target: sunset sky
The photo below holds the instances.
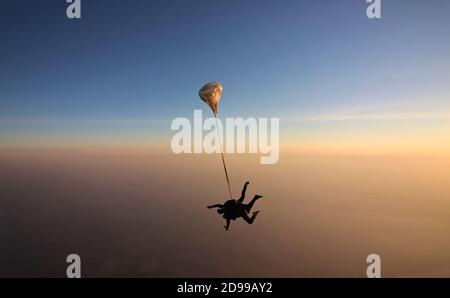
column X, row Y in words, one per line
column 86, row 108
column 123, row 72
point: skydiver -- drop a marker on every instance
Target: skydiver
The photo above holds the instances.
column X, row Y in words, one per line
column 232, row 209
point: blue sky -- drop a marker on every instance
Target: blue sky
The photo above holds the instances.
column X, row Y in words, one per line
column 130, row 67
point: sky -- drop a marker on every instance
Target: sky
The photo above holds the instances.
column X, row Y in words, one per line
column 126, row 69
column 113, row 81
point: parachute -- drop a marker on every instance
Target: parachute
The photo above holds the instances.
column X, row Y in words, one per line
column 210, row 93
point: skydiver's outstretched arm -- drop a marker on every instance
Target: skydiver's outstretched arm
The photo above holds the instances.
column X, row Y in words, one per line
column 228, row 224
column 215, row 206
column 241, row 199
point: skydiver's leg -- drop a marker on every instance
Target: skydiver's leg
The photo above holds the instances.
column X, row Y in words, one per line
column 249, row 206
column 249, row 220
column 241, row 199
